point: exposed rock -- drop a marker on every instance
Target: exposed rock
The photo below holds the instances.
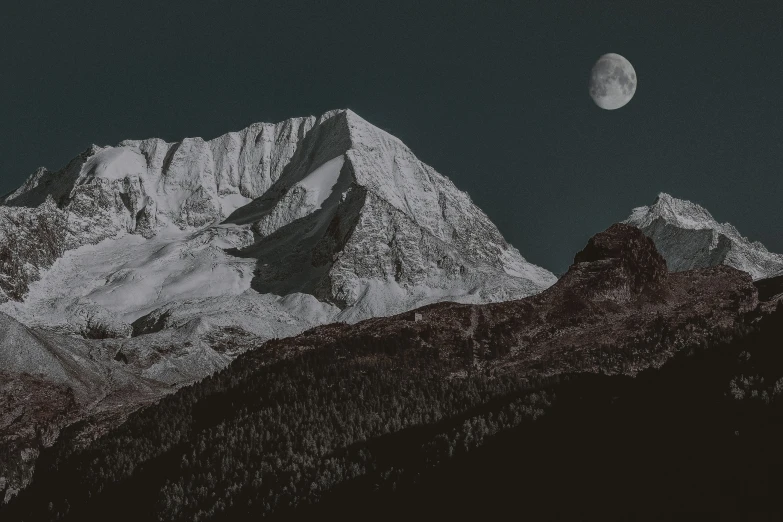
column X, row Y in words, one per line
column 30, row 240
column 97, row 322
column 358, row 221
column 635, row 260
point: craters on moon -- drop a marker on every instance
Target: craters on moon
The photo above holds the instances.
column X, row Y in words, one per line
column 612, row 81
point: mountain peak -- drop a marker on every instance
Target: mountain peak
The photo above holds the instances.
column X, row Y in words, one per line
column 370, row 207
column 679, row 212
column 689, row 237
column 628, row 254
column 331, row 207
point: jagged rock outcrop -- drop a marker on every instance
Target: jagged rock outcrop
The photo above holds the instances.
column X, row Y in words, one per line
column 688, row 237
column 631, row 258
column 30, row 240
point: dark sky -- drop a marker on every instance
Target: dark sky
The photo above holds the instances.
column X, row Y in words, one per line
column 493, row 96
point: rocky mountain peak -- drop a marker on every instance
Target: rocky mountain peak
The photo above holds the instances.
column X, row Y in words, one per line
column 689, row 237
column 629, row 250
column 329, row 207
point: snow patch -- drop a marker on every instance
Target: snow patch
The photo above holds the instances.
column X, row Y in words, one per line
column 320, row 182
column 230, row 202
column 116, row 163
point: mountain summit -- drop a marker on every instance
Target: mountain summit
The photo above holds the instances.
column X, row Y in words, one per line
column 360, row 222
column 689, row 237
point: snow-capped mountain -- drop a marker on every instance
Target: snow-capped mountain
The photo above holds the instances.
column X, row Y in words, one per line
column 141, row 267
column 334, row 218
column 689, row 237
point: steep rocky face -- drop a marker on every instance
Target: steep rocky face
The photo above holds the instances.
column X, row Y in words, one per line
column 360, row 222
column 30, row 240
column 631, row 257
column 689, row 237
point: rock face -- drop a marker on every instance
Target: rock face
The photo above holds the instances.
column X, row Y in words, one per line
column 330, row 207
column 358, row 221
column 635, row 263
column 31, row 239
column 689, row 237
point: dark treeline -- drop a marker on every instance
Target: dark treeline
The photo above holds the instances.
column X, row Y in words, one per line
column 257, row 439
column 397, row 429
column 699, row 438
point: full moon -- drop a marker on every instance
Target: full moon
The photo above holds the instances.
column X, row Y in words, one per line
column 612, row 82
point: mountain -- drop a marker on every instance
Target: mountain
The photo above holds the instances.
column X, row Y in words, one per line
column 364, row 408
column 330, row 213
column 689, row 237
column 140, row 268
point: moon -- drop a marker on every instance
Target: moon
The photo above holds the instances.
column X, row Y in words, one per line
column 612, row 82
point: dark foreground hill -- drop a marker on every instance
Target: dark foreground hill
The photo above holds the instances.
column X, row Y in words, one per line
column 697, row 439
column 621, row 388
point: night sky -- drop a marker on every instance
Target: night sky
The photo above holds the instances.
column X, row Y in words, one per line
column 494, row 97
